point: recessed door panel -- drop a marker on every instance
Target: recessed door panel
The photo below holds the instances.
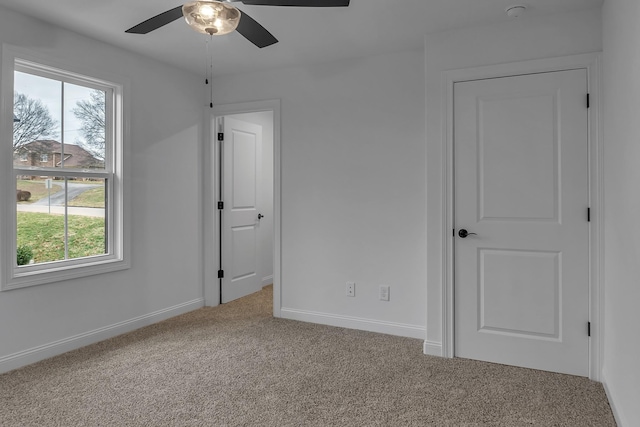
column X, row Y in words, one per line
column 243, row 252
column 245, row 181
column 519, row 293
column 524, row 151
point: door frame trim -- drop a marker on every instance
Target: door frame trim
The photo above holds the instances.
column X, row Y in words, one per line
column 592, row 62
column 211, row 214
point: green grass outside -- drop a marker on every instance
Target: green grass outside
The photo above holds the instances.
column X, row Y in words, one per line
column 93, row 198
column 45, row 234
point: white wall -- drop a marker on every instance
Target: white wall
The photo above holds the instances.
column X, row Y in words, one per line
column 353, row 187
column 265, row 120
column 515, row 40
column 621, row 57
column 165, row 129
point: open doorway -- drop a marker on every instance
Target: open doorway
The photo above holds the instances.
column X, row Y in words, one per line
column 244, row 251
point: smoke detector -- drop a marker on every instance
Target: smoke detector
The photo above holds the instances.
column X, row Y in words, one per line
column 515, row 11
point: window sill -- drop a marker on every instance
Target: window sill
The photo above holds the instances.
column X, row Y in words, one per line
column 29, row 277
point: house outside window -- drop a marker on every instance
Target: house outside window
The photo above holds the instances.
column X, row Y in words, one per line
column 67, row 219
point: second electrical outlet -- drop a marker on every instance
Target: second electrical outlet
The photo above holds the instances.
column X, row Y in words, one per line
column 384, row 293
column 351, row 289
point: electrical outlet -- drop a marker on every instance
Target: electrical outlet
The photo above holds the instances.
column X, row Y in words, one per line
column 351, row 289
column 384, row 293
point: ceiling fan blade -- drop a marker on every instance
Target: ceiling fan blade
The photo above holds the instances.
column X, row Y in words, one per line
column 157, row 21
column 301, row 3
column 255, row 32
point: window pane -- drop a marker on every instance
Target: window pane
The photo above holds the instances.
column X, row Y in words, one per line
column 84, row 127
column 36, row 117
column 41, row 225
column 86, row 201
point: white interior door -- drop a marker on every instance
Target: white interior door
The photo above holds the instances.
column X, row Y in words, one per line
column 242, row 154
column 521, row 184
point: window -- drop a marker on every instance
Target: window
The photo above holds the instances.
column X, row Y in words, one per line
column 67, row 218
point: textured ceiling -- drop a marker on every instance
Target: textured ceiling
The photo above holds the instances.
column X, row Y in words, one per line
column 306, row 35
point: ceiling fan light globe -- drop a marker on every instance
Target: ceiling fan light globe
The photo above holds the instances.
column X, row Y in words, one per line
column 207, row 12
column 211, row 17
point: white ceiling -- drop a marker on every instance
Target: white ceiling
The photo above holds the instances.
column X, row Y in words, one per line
column 306, row 35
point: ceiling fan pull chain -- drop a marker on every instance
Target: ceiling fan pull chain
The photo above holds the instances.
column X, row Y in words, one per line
column 206, row 63
column 210, row 70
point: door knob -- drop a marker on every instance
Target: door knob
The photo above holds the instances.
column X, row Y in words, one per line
column 464, row 233
column 260, row 216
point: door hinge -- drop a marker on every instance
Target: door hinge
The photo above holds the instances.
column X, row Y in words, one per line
column 220, row 205
column 589, row 329
column 588, row 214
column 220, row 274
column 220, row 136
column 588, row 101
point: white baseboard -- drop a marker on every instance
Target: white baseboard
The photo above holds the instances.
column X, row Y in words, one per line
column 267, row 281
column 391, row 328
column 35, row 354
column 612, row 402
column 432, row 348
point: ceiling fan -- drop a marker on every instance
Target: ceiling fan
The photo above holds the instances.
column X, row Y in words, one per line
column 215, row 17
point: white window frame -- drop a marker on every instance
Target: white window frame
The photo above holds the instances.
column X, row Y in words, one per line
column 117, row 257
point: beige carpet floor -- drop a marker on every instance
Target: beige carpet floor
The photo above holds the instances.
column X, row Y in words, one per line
column 235, row 365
